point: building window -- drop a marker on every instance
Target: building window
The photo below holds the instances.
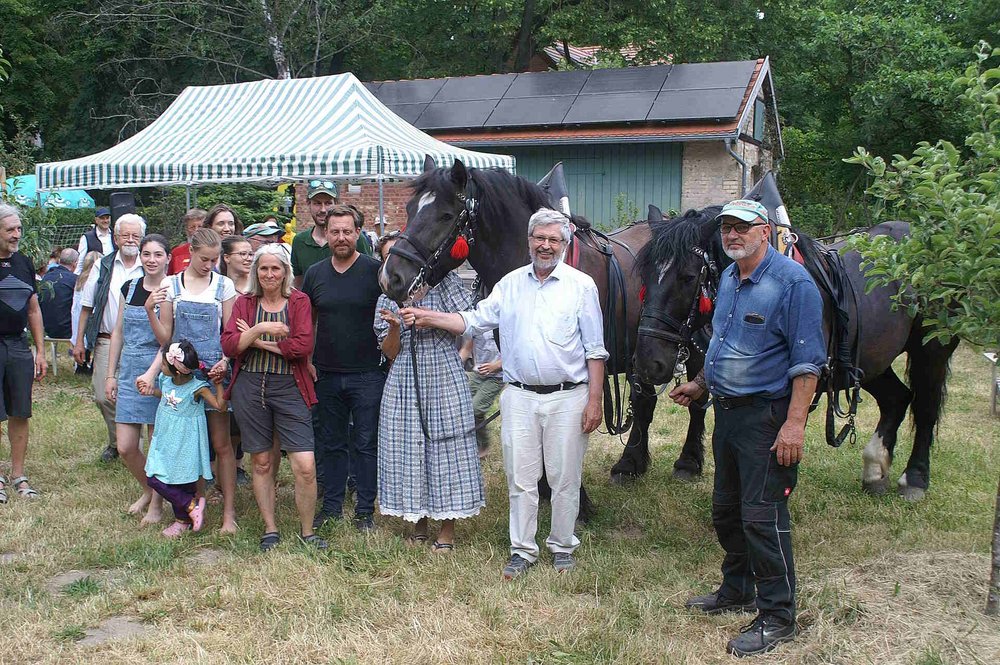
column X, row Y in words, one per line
column 759, row 115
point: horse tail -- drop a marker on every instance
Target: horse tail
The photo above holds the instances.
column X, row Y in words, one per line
column 927, row 370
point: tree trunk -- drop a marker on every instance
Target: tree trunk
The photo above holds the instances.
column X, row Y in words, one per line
column 993, row 596
column 522, row 52
column 274, row 41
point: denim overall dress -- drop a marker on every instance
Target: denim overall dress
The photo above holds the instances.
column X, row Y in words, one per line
column 139, row 347
column 201, row 324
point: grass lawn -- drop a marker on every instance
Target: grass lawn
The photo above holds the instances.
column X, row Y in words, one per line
column 880, row 580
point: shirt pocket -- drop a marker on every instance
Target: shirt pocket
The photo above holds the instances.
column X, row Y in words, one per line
column 561, row 327
column 748, row 338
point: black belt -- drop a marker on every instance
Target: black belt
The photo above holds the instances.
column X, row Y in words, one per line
column 733, row 402
column 545, row 390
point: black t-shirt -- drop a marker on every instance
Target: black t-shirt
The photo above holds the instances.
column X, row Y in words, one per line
column 17, row 285
column 138, row 297
column 345, row 311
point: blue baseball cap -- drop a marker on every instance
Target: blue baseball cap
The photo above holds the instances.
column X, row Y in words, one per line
column 102, row 212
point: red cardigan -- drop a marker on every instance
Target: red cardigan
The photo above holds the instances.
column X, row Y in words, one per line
column 297, row 348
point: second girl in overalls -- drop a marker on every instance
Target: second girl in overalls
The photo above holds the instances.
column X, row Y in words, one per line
column 134, row 351
column 199, row 302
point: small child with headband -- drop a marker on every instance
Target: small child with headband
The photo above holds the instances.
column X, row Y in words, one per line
column 178, row 453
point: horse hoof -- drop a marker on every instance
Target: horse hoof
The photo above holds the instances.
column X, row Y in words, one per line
column 623, row 479
column 912, row 494
column 685, row 475
column 876, row 487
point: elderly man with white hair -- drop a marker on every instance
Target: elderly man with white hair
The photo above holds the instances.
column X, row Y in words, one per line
column 101, row 299
column 552, row 338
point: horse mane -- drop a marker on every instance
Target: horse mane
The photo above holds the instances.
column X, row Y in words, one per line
column 673, row 238
column 496, row 190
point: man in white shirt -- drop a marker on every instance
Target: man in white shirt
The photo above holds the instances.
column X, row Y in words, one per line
column 101, row 297
column 98, row 239
column 552, row 340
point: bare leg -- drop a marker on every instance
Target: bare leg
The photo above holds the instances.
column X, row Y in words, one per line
column 155, row 511
column 225, row 463
column 304, row 470
column 263, row 489
column 446, row 536
column 130, row 453
column 275, row 459
column 17, row 431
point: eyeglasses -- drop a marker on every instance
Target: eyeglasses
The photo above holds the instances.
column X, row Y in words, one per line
column 130, row 236
column 541, row 240
column 322, row 183
column 741, row 227
column 242, row 255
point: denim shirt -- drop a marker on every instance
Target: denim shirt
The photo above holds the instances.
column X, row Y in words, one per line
column 766, row 330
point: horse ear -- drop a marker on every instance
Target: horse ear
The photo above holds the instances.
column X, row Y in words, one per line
column 654, row 214
column 459, row 175
column 429, row 164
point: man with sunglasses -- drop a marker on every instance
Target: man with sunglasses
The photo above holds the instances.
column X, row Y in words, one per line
column 762, row 366
column 310, row 246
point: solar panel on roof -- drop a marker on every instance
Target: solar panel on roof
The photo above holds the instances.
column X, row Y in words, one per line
column 409, row 92
column 722, row 103
column 408, row 112
column 710, row 75
column 629, row 79
column 470, row 88
column 546, row 84
column 455, row 114
column 625, row 107
column 530, row 111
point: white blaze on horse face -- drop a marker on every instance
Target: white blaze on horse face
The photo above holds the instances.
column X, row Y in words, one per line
column 664, row 267
column 425, row 200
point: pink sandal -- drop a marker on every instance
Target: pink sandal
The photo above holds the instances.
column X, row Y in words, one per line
column 197, row 514
column 176, row 529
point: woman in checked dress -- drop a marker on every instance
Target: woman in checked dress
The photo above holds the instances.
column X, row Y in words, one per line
column 436, row 476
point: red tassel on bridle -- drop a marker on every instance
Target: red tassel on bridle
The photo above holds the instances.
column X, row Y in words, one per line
column 704, row 302
column 642, row 294
column 460, row 250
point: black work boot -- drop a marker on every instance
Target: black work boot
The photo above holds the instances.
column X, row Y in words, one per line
column 716, row 603
column 760, row 636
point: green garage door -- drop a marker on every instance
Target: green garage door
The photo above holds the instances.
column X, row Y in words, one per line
column 608, row 182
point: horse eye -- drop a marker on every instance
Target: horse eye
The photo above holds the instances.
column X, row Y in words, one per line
column 687, row 279
column 447, row 216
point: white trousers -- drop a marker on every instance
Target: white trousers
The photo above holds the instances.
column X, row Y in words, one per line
column 536, row 428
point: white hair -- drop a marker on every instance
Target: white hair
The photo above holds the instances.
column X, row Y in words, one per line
column 69, row 256
column 277, row 250
column 131, row 218
column 550, row 217
column 7, row 210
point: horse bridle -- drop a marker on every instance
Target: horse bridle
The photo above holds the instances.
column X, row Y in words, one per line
column 428, row 259
column 673, row 330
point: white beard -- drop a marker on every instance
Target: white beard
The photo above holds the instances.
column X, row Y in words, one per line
column 748, row 249
column 129, row 251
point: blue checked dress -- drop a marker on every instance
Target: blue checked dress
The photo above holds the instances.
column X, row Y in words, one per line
column 438, row 478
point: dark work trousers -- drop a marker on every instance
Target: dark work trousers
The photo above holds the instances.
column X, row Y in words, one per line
column 750, row 506
column 345, row 398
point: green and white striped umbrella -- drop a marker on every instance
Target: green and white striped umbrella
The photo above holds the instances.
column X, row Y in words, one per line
column 265, row 131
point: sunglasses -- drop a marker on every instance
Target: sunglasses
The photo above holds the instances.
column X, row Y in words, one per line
column 741, row 227
column 327, row 184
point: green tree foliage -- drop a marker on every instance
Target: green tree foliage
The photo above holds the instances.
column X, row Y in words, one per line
column 949, row 267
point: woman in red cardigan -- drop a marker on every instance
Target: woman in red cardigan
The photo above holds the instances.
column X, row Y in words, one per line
column 270, row 336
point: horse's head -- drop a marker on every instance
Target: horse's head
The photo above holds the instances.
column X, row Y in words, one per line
column 430, row 246
column 679, row 273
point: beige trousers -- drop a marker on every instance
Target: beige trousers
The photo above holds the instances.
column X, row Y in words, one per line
column 98, row 379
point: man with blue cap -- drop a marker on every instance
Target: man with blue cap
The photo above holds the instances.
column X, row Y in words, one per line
column 762, row 366
column 98, row 239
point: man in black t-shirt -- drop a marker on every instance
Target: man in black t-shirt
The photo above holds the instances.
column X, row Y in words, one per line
column 18, row 309
column 56, row 299
column 344, row 291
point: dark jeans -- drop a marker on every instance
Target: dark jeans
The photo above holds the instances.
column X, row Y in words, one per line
column 345, row 398
column 750, row 506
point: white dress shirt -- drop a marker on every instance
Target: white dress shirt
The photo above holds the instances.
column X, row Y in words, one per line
column 548, row 330
column 106, row 248
column 119, row 275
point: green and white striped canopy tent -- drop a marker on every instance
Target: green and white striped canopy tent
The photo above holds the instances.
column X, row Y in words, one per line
column 265, row 131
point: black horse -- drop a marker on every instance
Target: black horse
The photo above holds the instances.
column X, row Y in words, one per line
column 491, row 209
column 684, row 259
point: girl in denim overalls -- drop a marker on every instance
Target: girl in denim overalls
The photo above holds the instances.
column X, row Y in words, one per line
column 199, row 303
column 134, row 349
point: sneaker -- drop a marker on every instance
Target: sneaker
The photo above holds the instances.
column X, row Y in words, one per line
column 516, row 567
column 364, row 522
column 110, row 454
column 761, row 635
column 322, row 517
column 716, row 603
column 314, row 540
column 241, row 477
column 563, row 562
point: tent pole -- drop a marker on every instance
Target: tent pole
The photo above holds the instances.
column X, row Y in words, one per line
column 187, row 197
column 381, row 207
